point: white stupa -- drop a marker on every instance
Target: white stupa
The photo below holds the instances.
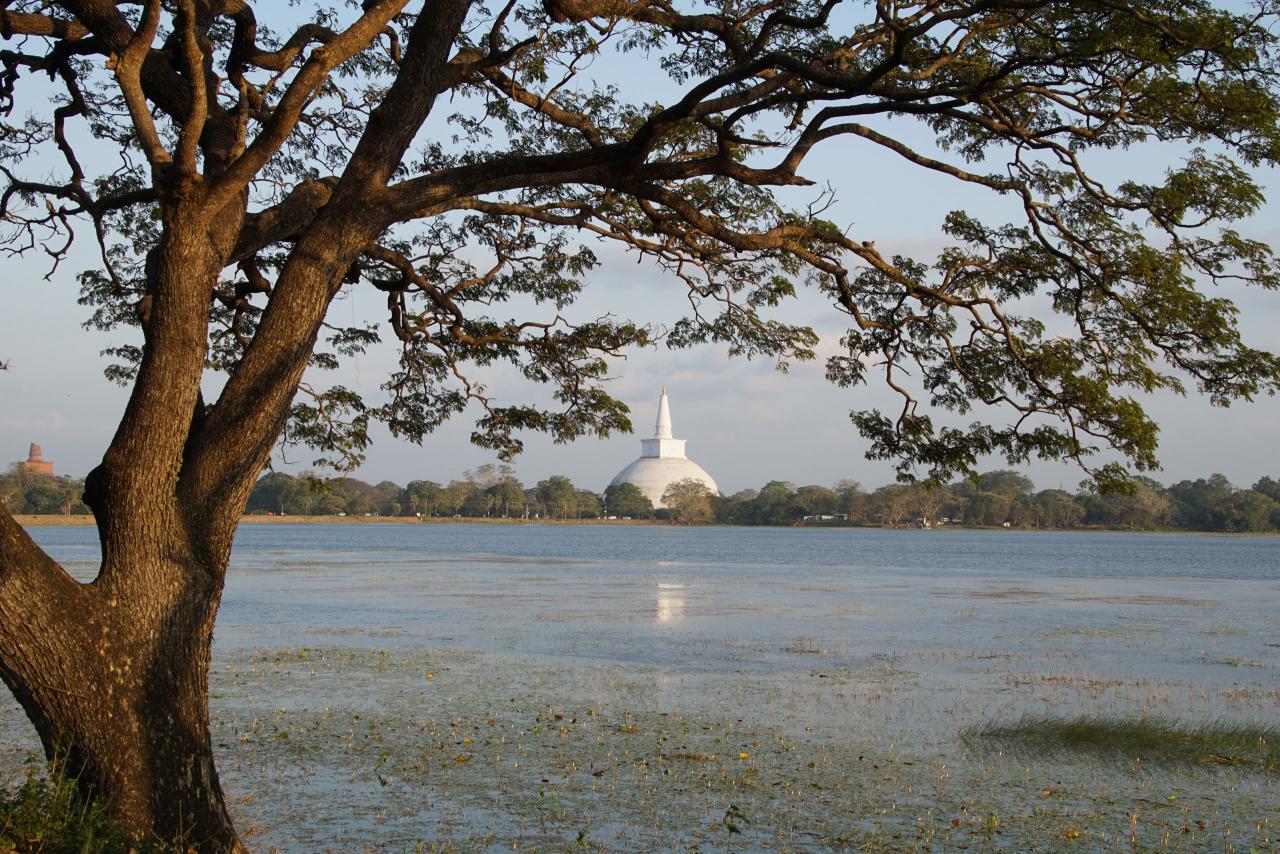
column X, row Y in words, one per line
column 662, row 461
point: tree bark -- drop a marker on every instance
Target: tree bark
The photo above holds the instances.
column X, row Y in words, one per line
column 114, row 673
column 116, row 687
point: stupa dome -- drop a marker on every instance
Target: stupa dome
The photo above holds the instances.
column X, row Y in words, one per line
column 662, row 461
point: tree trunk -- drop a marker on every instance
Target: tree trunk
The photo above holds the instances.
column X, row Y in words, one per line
column 114, row 673
column 117, row 685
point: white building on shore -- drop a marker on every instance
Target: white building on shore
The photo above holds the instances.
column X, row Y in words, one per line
column 662, row 461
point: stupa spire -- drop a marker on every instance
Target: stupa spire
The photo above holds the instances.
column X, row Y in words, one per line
column 662, row 461
column 662, row 427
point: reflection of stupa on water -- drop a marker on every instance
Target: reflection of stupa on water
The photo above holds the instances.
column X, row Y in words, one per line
column 662, row 461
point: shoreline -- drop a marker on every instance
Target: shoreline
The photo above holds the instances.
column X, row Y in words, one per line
column 430, row 520
column 83, row 520
column 80, row 520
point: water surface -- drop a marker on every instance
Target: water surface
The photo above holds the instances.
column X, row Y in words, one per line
column 804, row 649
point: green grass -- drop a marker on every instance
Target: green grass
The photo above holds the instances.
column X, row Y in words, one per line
column 46, row 815
column 1151, row 739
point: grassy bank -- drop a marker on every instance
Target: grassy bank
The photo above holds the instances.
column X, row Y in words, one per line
column 28, row 521
column 31, row 521
column 430, row 520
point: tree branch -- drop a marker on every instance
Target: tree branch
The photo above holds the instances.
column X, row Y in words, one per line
column 284, row 117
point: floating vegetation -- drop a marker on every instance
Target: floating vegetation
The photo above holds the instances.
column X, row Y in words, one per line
column 435, row 749
column 493, row 753
column 444, row 705
column 1149, row 739
column 803, row 646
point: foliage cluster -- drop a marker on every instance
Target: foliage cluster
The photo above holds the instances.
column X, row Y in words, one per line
column 490, row 491
column 483, row 217
column 22, row 491
column 689, row 502
column 1000, row 498
column 993, row 498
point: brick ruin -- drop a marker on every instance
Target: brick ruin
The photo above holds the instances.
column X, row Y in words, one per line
column 36, row 463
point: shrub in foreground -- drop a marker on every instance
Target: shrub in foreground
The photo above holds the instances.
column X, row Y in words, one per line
column 45, row 814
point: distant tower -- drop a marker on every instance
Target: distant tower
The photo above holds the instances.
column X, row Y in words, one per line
column 36, row 463
column 662, row 461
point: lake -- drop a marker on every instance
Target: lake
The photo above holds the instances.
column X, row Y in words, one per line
column 425, row 677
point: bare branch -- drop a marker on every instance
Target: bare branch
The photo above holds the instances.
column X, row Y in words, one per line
column 128, row 69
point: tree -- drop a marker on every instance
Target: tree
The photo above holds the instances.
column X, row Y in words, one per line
column 736, row 509
column 853, row 499
column 772, row 505
column 426, row 496
column 478, row 503
column 1268, row 486
column 929, row 500
column 1144, row 506
column 389, row 493
column 1005, row 482
column 361, row 498
column 988, row 508
column 22, row 491
column 331, row 504
column 815, row 500
column 1195, row 501
column 238, row 181
column 13, row 491
column 626, row 499
column 456, row 495
column 558, row 497
column 1056, row 508
column 508, row 494
column 273, row 493
column 1246, row 510
column 689, row 502
column 587, row 505
column 891, row 504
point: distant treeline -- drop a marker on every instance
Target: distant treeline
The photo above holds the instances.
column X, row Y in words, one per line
column 22, row 491
column 993, row 499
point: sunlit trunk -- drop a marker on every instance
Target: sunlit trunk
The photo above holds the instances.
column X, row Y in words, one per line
column 114, row 676
column 114, row 673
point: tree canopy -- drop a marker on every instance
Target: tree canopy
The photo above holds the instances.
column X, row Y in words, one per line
column 241, row 165
column 689, row 501
column 626, row 499
column 472, row 159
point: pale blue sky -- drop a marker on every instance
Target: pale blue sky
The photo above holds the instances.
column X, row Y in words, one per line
column 745, row 423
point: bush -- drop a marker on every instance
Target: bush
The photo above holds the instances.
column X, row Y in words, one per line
column 47, row 815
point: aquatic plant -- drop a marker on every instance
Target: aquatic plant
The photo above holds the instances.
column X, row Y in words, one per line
column 1150, row 739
